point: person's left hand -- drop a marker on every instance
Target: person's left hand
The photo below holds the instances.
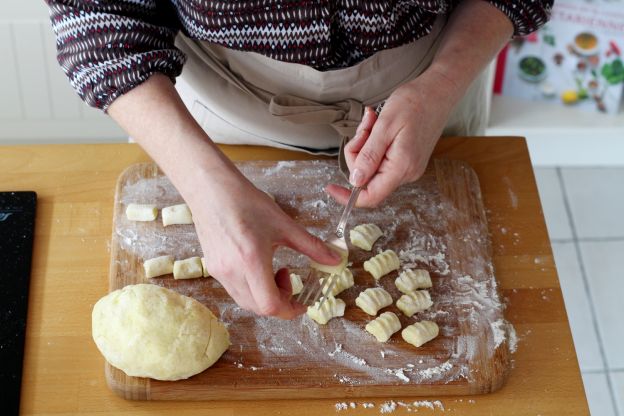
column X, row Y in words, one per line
column 394, row 148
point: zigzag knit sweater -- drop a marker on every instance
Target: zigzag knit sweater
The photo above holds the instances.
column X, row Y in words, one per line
column 108, row 47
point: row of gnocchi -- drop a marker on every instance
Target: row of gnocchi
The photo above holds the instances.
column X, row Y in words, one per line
column 172, row 215
column 372, row 300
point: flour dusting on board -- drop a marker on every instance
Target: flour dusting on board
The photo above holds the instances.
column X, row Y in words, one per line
column 415, row 224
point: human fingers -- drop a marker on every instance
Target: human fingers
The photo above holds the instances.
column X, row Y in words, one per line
column 299, row 239
column 366, row 161
column 282, row 279
column 380, row 187
column 238, row 289
column 269, row 299
column 339, row 193
column 362, row 134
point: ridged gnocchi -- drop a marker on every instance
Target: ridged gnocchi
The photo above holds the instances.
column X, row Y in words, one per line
column 420, row 333
column 331, row 308
column 343, row 282
column 373, row 299
column 296, row 283
column 365, row 235
column 410, row 280
column 382, row 264
column 413, row 302
column 384, row 326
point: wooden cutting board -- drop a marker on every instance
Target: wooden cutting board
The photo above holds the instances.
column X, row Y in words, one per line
column 437, row 223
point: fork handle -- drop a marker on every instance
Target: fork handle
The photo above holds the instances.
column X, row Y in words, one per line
column 355, row 192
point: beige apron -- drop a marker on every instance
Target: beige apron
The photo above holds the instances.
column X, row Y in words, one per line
column 246, row 98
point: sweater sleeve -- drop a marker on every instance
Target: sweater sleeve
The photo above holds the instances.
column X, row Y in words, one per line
column 108, row 47
column 526, row 15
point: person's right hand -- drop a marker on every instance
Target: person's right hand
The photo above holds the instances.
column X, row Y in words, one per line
column 239, row 228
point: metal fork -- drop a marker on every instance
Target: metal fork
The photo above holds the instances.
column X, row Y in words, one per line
column 312, row 288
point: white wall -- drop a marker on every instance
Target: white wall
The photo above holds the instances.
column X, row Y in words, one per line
column 37, row 104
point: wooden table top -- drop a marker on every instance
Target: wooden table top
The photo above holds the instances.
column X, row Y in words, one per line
column 64, row 371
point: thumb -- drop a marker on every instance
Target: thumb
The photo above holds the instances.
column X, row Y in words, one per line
column 297, row 238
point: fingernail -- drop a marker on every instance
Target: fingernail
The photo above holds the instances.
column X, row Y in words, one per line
column 358, row 131
column 356, row 177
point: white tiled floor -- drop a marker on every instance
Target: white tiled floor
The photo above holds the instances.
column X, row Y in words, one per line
column 583, row 209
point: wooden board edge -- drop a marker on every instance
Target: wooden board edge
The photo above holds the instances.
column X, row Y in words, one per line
column 123, row 385
column 496, row 367
column 136, row 388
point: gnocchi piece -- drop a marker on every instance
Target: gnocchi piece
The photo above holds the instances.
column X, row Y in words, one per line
column 413, row 302
column 204, row 271
column 365, row 235
column 410, row 280
column 296, row 283
column 373, row 299
column 331, row 308
column 158, row 266
column 343, row 282
column 384, row 326
column 382, row 264
column 337, row 269
column 141, row 212
column 420, row 333
column 188, row 268
column 177, row 214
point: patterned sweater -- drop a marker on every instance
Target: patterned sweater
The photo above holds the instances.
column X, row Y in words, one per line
column 108, row 47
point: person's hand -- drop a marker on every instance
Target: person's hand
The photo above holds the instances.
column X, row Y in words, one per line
column 394, row 148
column 239, row 228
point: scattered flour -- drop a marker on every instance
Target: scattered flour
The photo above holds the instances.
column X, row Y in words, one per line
column 433, row 371
column 341, row 406
column 472, row 300
column 498, row 332
column 388, row 407
column 279, row 166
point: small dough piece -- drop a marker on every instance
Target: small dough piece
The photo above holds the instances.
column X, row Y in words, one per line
column 420, row 332
column 331, row 308
column 410, row 280
column 188, row 268
column 158, row 266
column 384, row 326
column 413, row 302
column 177, row 214
column 337, row 269
column 343, row 282
column 296, row 283
column 149, row 331
column 141, row 212
column 365, row 235
column 204, row 271
column 382, row 264
column 373, row 299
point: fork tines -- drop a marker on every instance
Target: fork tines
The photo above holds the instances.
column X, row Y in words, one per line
column 312, row 289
